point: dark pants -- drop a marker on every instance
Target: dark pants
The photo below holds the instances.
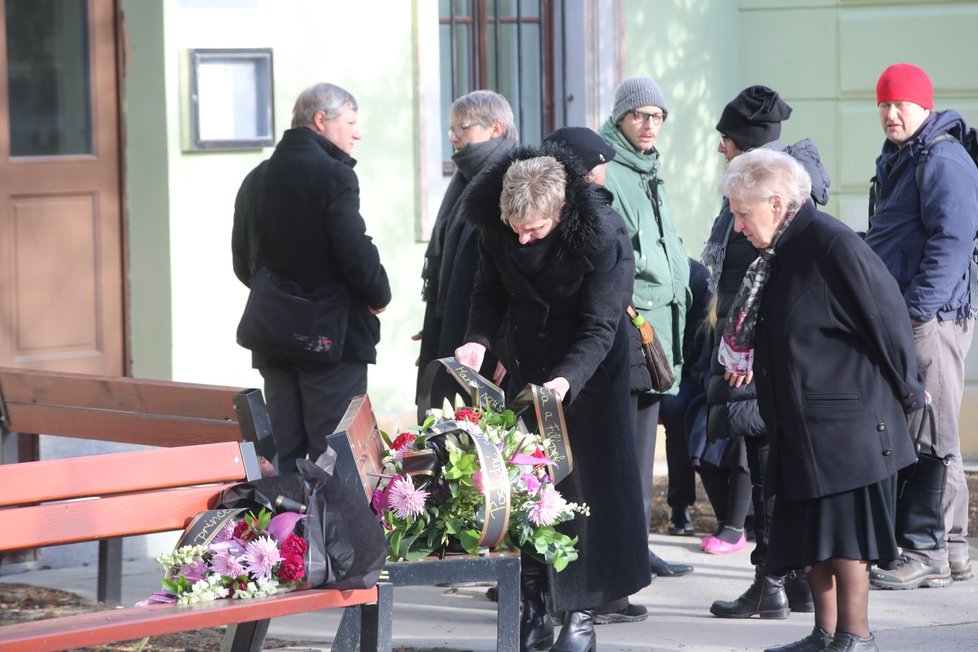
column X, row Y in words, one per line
column 646, row 428
column 305, row 403
column 682, row 482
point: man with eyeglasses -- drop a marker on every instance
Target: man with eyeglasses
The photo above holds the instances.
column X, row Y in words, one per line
column 661, row 292
column 482, row 130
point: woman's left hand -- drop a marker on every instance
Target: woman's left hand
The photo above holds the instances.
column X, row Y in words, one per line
column 558, row 386
column 736, row 380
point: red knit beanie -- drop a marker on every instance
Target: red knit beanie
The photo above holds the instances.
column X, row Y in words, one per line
column 905, row 82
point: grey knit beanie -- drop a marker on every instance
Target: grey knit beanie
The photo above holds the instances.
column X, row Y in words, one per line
column 635, row 92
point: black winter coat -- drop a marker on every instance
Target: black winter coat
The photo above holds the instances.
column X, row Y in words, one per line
column 567, row 321
column 835, row 364
column 310, row 231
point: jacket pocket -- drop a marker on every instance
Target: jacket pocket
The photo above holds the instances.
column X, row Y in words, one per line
column 832, row 401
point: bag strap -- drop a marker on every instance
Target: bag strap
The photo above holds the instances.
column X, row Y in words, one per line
column 927, row 418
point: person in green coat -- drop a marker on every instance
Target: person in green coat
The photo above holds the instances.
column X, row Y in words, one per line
column 661, row 291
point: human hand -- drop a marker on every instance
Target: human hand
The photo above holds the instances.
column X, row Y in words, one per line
column 499, row 373
column 377, row 311
column 471, row 355
column 417, row 336
column 558, row 386
column 735, row 379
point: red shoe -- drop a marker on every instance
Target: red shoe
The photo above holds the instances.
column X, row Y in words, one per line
column 716, row 546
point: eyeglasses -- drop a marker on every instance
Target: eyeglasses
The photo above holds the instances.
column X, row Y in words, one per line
column 642, row 118
column 458, row 130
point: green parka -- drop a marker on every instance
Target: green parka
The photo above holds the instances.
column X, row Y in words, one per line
column 661, row 292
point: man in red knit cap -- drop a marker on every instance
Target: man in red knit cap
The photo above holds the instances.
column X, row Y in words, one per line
column 922, row 224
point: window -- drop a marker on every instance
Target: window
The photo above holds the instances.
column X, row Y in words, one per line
column 500, row 45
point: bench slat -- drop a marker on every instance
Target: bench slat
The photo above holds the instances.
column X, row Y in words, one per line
column 126, row 624
column 122, row 394
column 116, row 516
column 123, row 427
column 120, row 472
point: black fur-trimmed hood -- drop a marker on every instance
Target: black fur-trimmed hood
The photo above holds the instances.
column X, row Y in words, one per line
column 582, row 227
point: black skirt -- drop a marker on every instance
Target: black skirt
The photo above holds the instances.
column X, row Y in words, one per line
column 856, row 524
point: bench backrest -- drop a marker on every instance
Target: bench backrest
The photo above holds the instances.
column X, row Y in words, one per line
column 117, row 494
column 131, row 410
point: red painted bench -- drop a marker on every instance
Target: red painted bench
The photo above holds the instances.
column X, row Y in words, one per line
column 142, row 492
column 123, row 410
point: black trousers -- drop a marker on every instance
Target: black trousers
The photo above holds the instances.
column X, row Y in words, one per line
column 305, row 404
column 682, row 480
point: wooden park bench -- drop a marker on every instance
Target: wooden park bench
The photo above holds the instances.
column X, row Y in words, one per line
column 123, row 410
column 89, row 498
column 359, row 448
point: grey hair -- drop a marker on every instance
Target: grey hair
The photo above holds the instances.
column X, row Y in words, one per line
column 321, row 97
column 760, row 173
column 532, row 188
column 485, row 107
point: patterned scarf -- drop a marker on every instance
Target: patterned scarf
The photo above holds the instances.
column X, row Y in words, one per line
column 737, row 344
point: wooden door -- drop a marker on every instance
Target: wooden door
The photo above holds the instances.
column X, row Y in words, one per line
column 61, row 236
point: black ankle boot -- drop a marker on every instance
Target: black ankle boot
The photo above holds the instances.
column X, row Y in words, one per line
column 577, row 634
column 765, row 597
column 799, row 592
column 536, row 626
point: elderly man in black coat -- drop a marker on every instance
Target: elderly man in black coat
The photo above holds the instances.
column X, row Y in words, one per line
column 298, row 215
column 550, row 260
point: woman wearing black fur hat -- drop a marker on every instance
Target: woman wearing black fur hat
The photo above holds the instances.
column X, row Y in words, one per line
column 550, row 261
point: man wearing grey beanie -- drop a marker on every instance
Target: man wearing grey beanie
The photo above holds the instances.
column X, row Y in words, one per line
column 661, row 294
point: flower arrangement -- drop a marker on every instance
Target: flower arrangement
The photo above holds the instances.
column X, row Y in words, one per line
column 251, row 557
column 447, row 507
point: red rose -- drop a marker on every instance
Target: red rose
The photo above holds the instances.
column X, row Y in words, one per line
column 291, row 569
column 467, row 414
column 404, row 440
column 293, row 545
column 237, row 585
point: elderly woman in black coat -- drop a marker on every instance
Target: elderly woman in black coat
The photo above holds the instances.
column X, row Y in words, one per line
column 822, row 329
column 550, row 260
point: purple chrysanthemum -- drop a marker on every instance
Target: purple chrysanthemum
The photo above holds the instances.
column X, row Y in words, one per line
column 227, row 564
column 261, row 555
column 404, row 499
column 547, row 508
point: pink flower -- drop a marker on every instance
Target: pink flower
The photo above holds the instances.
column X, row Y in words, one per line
column 404, row 499
column 227, row 564
column 261, row 554
column 477, row 482
column 547, row 507
column 532, row 482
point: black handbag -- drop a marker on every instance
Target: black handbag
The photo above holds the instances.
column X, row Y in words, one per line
column 920, row 514
column 282, row 321
column 658, row 363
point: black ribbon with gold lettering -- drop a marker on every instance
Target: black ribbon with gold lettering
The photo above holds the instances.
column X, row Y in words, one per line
column 483, row 393
column 206, row 525
column 549, row 413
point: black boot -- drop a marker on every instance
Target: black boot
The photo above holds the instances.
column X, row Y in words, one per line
column 799, row 592
column 577, row 634
column 536, row 626
column 765, row 597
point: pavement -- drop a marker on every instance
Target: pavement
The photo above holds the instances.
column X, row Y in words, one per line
column 460, row 618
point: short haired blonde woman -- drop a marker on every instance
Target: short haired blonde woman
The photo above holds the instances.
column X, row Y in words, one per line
column 550, row 261
column 821, row 327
